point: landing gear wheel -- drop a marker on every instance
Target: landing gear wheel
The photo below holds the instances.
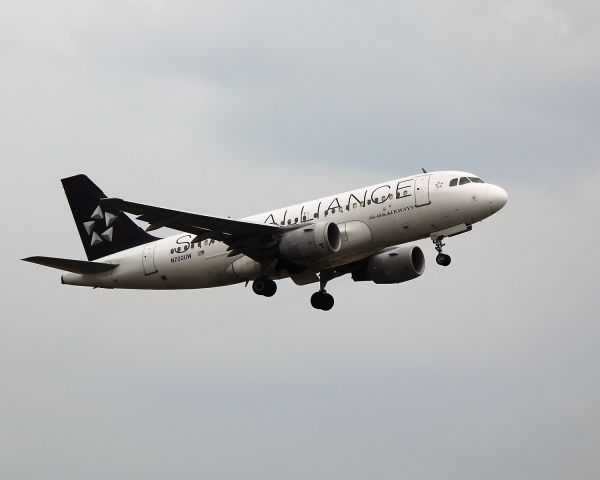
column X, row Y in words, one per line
column 271, row 289
column 322, row 301
column 264, row 286
column 315, row 300
column 328, row 302
column 443, row 259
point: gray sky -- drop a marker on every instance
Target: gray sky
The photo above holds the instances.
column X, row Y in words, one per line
column 485, row 370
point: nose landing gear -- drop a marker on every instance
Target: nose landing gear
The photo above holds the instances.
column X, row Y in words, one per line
column 437, row 237
column 441, row 258
column 264, row 286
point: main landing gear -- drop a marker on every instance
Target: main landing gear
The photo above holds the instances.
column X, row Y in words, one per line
column 322, row 300
column 441, row 258
column 264, row 286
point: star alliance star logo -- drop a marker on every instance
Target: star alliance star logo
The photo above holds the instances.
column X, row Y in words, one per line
column 95, row 223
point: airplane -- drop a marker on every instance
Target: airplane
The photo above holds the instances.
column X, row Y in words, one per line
column 362, row 233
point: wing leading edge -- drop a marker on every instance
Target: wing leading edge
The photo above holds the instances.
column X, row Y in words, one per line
column 242, row 237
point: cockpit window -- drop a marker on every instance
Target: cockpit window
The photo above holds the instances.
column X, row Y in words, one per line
column 453, row 182
column 476, row 180
column 463, row 180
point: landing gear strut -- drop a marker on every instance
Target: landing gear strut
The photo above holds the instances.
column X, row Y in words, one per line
column 264, row 286
column 441, row 258
column 322, row 300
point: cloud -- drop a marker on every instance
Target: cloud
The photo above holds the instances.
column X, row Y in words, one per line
column 494, row 354
column 436, row 82
column 484, row 369
column 483, row 87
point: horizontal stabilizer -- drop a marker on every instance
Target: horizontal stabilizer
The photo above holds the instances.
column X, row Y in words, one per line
column 75, row 266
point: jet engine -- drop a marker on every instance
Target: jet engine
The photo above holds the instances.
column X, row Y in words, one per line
column 311, row 242
column 395, row 265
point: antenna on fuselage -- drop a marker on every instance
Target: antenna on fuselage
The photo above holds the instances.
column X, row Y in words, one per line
column 424, row 171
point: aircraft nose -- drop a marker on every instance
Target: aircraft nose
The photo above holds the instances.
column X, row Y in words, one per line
column 497, row 197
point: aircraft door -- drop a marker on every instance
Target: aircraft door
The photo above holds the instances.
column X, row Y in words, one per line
column 422, row 191
column 148, row 259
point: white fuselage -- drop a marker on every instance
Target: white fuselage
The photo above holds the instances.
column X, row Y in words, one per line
column 369, row 218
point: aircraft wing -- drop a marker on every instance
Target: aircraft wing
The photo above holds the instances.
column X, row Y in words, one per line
column 241, row 236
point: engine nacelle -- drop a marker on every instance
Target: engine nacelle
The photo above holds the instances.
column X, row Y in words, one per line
column 396, row 265
column 311, row 242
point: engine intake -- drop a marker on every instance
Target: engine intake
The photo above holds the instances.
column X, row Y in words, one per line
column 396, row 265
column 311, row 242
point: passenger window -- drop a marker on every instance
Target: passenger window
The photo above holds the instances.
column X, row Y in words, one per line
column 354, row 205
column 289, row 221
column 476, row 180
column 463, row 180
column 316, row 215
column 368, row 202
column 296, row 220
column 453, row 182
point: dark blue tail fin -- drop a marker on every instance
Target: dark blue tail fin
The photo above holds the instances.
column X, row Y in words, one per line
column 102, row 232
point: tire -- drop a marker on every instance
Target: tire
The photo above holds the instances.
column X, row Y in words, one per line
column 270, row 288
column 322, row 301
column 443, row 259
column 316, row 300
column 327, row 302
column 258, row 286
column 264, row 287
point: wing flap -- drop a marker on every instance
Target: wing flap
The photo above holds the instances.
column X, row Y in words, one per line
column 75, row 266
